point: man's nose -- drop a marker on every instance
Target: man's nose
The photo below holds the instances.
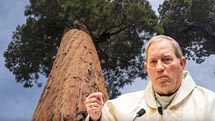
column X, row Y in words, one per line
column 160, row 66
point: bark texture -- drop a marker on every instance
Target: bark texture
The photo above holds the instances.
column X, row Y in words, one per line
column 75, row 74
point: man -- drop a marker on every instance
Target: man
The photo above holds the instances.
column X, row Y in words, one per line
column 170, row 95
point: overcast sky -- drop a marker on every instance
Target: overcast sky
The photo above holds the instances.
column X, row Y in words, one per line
column 18, row 103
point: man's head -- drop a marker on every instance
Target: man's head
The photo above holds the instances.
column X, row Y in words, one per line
column 164, row 64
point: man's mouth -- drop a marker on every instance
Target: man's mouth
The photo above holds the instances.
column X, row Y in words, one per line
column 161, row 77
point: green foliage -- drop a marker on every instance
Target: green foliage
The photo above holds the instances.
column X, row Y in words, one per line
column 114, row 25
column 192, row 23
column 118, row 29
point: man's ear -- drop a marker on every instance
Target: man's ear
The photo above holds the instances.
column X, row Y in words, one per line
column 183, row 62
column 145, row 66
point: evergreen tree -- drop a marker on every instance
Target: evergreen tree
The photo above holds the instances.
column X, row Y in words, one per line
column 192, row 23
column 118, row 29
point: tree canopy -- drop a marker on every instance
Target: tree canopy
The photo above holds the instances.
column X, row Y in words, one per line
column 114, row 25
column 119, row 29
column 192, row 23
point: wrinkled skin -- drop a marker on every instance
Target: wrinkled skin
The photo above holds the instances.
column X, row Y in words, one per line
column 164, row 68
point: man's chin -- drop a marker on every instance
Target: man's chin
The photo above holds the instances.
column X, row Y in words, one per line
column 164, row 84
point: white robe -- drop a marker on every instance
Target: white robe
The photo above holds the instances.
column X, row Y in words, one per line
column 191, row 103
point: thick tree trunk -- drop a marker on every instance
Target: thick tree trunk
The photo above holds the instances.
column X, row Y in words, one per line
column 75, row 74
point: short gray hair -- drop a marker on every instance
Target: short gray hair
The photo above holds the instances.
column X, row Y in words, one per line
column 177, row 48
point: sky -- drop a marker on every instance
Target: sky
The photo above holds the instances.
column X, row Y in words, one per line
column 18, row 103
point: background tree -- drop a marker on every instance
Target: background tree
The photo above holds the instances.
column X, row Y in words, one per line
column 118, row 29
column 192, row 23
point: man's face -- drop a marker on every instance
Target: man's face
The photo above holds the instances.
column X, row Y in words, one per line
column 163, row 67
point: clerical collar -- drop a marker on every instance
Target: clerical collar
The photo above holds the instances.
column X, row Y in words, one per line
column 167, row 94
column 163, row 101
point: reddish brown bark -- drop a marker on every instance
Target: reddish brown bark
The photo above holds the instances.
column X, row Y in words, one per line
column 76, row 73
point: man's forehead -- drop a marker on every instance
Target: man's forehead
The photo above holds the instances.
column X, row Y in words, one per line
column 155, row 55
column 157, row 49
column 161, row 44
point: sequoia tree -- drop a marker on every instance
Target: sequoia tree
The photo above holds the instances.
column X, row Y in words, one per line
column 75, row 74
column 118, row 29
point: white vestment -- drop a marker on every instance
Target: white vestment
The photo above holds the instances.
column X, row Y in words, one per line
column 191, row 103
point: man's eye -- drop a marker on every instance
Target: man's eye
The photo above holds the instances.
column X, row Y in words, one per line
column 167, row 60
column 152, row 62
